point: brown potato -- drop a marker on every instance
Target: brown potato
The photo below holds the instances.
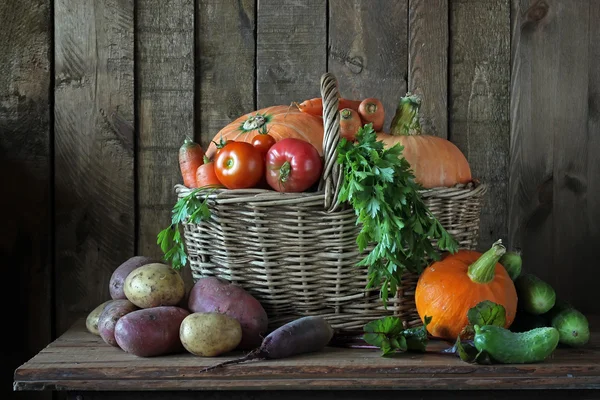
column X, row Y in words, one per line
column 212, row 294
column 117, row 279
column 109, row 318
column 151, row 331
column 91, row 322
column 210, row 334
column 154, row 285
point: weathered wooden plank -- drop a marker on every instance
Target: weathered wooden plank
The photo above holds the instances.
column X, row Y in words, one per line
column 428, row 62
column 25, row 162
column 80, row 360
column 346, row 395
column 94, row 140
column 593, row 161
column 291, row 50
column 554, row 130
column 479, row 89
column 226, row 66
column 368, row 53
column 570, row 108
column 165, row 86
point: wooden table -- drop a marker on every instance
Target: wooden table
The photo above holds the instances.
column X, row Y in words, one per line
column 79, row 362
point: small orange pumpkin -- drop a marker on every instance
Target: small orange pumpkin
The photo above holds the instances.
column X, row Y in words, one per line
column 448, row 288
column 435, row 161
column 278, row 121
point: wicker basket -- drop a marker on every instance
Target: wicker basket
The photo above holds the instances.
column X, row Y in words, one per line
column 296, row 252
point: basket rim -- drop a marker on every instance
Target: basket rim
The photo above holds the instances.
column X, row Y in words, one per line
column 473, row 188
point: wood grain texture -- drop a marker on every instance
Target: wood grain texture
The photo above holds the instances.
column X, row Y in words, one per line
column 367, row 53
column 343, row 394
column 428, row 62
column 479, row 68
column 225, row 69
column 291, row 50
column 165, row 86
column 554, row 144
column 81, row 361
column 25, row 163
column 94, row 143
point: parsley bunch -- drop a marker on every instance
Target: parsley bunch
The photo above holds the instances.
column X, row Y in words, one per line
column 189, row 208
column 379, row 184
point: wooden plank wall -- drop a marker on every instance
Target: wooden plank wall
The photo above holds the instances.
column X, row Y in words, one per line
column 96, row 97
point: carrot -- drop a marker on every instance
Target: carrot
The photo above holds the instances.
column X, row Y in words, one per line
column 350, row 123
column 303, row 335
column 205, row 175
column 191, row 157
column 371, row 110
column 315, row 106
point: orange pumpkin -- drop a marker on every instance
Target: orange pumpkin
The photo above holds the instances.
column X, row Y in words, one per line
column 448, row 288
column 435, row 162
column 278, row 121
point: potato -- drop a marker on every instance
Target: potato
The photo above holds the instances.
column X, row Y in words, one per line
column 151, row 331
column 154, row 285
column 212, row 294
column 210, row 334
column 117, row 279
column 91, row 322
column 109, row 317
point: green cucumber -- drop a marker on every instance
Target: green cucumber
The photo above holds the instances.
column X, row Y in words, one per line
column 509, row 347
column 572, row 326
column 535, row 295
column 512, row 263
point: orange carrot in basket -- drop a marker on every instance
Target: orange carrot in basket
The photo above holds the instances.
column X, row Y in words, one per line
column 205, row 175
column 350, row 123
column 191, row 156
column 371, row 110
column 315, row 106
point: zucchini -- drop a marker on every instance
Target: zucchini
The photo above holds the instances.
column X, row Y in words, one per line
column 573, row 327
column 509, row 347
column 535, row 295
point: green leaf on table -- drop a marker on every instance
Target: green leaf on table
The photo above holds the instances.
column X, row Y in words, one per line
column 487, row 313
column 416, row 338
column 385, row 333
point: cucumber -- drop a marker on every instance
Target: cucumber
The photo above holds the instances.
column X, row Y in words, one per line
column 573, row 327
column 509, row 347
column 512, row 263
column 535, row 295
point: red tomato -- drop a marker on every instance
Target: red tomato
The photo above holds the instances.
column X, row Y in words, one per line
column 263, row 142
column 293, row 165
column 220, row 145
column 239, row 165
column 205, row 175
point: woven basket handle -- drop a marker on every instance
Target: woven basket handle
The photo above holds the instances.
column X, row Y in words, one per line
column 331, row 179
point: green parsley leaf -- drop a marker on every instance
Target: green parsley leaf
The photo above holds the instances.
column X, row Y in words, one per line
column 379, row 184
column 188, row 209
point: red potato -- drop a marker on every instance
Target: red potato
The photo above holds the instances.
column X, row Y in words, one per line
column 303, row 335
column 117, row 279
column 110, row 316
column 212, row 294
column 151, row 331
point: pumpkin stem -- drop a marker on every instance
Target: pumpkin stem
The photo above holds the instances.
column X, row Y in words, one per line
column 406, row 119
column 484, row 269
column 254, row 122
